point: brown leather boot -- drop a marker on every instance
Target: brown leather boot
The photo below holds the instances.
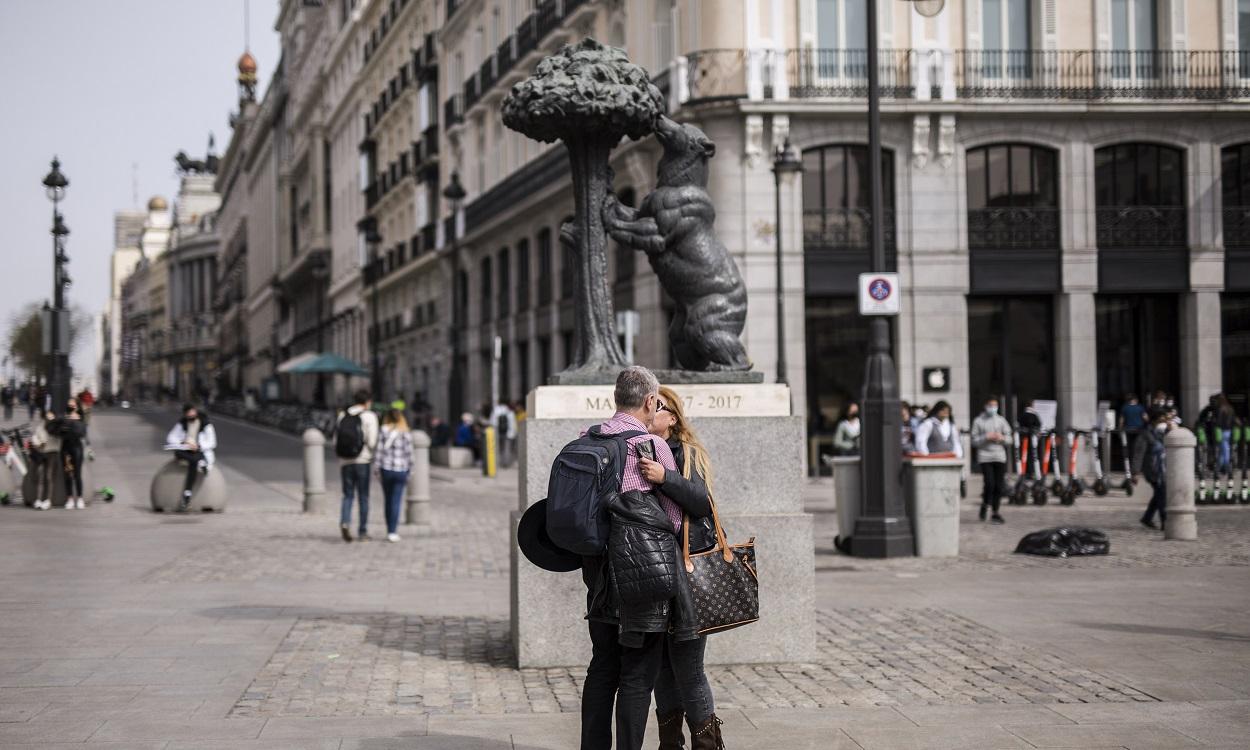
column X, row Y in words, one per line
column 708, row 736
column 671, row 737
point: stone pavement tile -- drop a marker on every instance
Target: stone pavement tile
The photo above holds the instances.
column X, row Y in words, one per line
column 452, row 742
column 20, row 711
column 289, row 727
column 148, row 727
column 40, row 680
column 936, row 738
column 829, row 717
column 85, row 697
column 986, row 715
column 1165, row 689
column 77, row 730
column 1219, row 731
column 1126, row 713
column 1136, row 736
column 127, row 745
column 304, row 743
column 1236, row 709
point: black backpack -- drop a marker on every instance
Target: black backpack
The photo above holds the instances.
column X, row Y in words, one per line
column 350, row 440
column 585, row 476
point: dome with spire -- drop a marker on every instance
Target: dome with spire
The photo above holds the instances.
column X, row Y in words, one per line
column 157, row 204
column 247, row 65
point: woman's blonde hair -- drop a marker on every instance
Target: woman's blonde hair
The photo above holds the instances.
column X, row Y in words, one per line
column 696, row 457
column 394, row 418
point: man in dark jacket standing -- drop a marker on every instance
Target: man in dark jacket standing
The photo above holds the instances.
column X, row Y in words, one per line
column 618, row 672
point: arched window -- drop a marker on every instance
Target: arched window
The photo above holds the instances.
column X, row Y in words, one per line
column 1140, row 196
column 1235, row 181
column 1013, row 197
column 836, row 204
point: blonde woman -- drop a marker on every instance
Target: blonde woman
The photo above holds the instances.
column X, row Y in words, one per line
column 394, row 463
column 682, row 689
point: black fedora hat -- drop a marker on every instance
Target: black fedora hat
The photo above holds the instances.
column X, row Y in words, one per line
column 531, row 535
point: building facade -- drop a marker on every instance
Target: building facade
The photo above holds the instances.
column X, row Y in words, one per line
column 127, row 228
column 191, row 264
column 1066, row 189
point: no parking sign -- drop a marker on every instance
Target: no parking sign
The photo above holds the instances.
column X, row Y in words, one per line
column 878, row 294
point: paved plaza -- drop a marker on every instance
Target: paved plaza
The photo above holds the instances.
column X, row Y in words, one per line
column 259, row 628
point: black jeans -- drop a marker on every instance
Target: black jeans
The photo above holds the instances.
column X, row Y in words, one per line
column 992, row 493
column 72, row 456
column 626, row 674
column 683, row 683
column 1158, row 503
column 193, row 466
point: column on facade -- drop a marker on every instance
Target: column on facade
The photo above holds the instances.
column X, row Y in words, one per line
column 1076, row 339
column 1202, row 356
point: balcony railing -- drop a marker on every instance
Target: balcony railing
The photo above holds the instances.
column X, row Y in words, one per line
column 1237, row 227
column 1013, row 228
column 453, row 110
column 1084, row 75
column 1141, row 227
column 844, row 228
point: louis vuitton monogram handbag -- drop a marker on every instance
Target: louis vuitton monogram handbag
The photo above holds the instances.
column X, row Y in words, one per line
column 723, row 581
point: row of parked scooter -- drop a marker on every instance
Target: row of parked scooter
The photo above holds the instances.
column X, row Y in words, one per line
column 1045, row 464
column 1230, row 478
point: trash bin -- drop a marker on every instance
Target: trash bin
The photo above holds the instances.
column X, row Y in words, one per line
column 846, row 494
column 933, row 504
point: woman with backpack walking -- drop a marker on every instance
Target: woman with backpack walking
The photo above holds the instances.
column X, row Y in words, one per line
column 682, row 689
column 394, row 463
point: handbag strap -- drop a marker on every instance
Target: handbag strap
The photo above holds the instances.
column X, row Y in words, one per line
column 726, row 553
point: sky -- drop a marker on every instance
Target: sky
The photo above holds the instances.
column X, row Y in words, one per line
column 114, row 88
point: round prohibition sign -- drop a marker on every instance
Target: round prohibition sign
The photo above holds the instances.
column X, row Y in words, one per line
column 880, row 289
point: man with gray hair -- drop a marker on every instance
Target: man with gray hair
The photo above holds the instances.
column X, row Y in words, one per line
column 624, row 673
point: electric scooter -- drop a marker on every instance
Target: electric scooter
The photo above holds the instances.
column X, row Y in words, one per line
column 1230, row 492
column 1030, row 481
column 1100, row 480
column 1217, row 488
column 1128, row 465
column 1201, row 497
column 1076, row 486
column 1242, row 461
column 1040, row 493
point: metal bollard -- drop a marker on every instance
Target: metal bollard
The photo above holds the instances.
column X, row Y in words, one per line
column 1182, row 522
column 490, row 451
column 314, row 471
column 418, row 493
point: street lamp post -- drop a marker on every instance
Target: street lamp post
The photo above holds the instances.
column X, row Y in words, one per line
column 58, row 363
column 319, row 273
column 455, row 194
column 369, row 226
column 883, row 528
column 786, row 161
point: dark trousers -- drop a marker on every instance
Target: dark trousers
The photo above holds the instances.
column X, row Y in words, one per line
column 71, row 453
column 682, row 683
column 393, row 485
column 626, row 674
column 1158, row 503
column 355, row 481
column 193, row 467
column 993, row 472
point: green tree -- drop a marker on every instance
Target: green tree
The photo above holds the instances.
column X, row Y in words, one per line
column 26, row 336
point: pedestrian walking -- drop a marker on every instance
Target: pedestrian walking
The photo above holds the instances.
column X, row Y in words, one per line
column 7, row 396
column 682, row 690
column 846, row 436
column 1133, row 421
column 991, row 434
column 73, row 432
column 356, row 438
column 33, row 402
column 45, row 450
column 193, row 439
column 907, row 437
column 467, row 436
column 1156, row 468
column 394, row 463
column 938, row 434
column 504, row 419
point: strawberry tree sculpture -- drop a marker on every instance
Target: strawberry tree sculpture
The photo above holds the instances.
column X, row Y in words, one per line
column 588, row 96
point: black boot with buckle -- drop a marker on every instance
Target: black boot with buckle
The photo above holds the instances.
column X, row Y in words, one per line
column 671, row 725
column 708, row 736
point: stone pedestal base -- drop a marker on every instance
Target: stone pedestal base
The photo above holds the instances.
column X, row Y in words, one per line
column 452, row 457
column 208, row 494
column 758, row 473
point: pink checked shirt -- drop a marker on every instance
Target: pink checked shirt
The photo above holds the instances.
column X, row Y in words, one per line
column 633, row 478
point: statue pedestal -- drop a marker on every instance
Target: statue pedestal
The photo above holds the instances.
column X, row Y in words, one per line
column 757, row 460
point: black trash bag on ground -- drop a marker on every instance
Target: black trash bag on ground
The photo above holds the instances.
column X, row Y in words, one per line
column 1065, row 542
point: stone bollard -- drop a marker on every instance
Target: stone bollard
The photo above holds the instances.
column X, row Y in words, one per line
column 314, row 471
column 933, row 504
column 418, row 497
column 1182, row 522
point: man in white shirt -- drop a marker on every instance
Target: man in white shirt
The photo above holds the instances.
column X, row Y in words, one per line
column 503, row 419
column 355, row 440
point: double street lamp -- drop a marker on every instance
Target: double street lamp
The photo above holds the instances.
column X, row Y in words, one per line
column 58, row 361
column 883, row 528
column 786, row 161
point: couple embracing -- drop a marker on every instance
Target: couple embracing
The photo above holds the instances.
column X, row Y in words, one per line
column 643, row 623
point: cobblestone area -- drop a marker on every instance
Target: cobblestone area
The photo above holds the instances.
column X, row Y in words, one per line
column 468, row 543
column 396, row 665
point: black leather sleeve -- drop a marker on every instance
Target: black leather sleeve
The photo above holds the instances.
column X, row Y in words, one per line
column 690, row 494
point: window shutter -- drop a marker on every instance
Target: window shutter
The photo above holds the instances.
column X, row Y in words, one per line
column 972, row 24
column 1050, row 24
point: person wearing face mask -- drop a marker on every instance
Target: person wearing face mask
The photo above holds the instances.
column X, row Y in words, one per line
column 73, row 432
column 193, row 441
column 938, row 434
column 1156, row 467
column 991, row 434
column 846, row 437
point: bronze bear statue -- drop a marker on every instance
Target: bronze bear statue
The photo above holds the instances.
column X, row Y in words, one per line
column 673, row 226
